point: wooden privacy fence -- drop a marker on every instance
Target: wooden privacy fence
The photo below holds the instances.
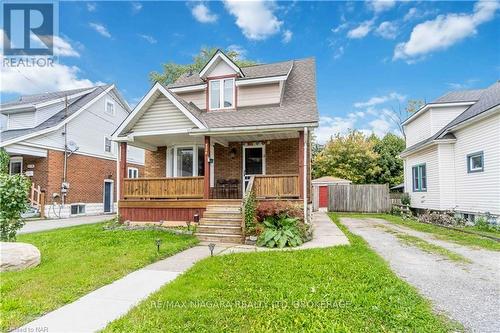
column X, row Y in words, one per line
column 369, row 198
column 163, row 188
column 276, row 186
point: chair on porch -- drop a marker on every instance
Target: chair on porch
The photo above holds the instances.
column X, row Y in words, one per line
column 226, row 189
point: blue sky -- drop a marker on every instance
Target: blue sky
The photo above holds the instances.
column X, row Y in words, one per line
column 371, row 56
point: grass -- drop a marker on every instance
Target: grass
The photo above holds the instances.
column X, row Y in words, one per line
column 341, row 289
column 471, row 240
column 76, row 261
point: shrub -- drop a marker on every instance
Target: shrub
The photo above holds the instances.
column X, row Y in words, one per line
column 482, row 224
column 13, row 200
column 405, row 199
column 280, row 208
column 280, row 232
column 250, row 214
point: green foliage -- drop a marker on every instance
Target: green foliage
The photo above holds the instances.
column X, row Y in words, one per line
column 406, row 199
column 76, row 261
column 391, row 165
column 250, row 212
column 172, row 71
column 4, row 161
column 280, row 232
column 414, row 105
column 13, row 200
column 350, row 157
column 482, row 224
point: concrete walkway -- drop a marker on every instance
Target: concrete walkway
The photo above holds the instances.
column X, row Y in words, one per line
column 95, row 310
column 44, row 225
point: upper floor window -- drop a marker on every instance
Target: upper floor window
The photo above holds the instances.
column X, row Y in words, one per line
column 107, row 145
column 133, row 172
column 475, row 162
column 221, row 93
column 110, row 108
column 419, row 177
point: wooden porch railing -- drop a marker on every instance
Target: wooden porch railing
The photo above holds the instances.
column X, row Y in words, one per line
column 276, row 186
column 37, row 199
column 163, row 188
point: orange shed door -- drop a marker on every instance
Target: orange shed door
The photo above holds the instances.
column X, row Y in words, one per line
column 323, row 196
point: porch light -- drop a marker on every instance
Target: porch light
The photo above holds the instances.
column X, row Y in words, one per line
column 211, row 247
column 158, row 243
column 232, row 153
column 196, row 218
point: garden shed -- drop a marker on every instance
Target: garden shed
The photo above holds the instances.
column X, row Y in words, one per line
column 320, row 189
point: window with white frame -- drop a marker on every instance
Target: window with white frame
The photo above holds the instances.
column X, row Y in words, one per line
column 419, row 175
column 110, row 107
column 221, row 94
column 16, row 165
column 108, row 144
column 186, row 161
column 77, row 209
column 475, row 162
column 133, row 172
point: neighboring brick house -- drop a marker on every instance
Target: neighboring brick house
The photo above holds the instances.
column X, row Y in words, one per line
column 213, row 135
column 39, row 127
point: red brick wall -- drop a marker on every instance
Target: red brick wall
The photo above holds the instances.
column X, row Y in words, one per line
column 155, row 163
column 85, row 175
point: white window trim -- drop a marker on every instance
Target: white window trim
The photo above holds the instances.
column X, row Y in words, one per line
column 110, row 101
column 111, row 197
column 221, row 94
column 15, row 159
column 173, row 172
column 134, row 170
column 111, row 150
column 78, row 204
column 245, row 146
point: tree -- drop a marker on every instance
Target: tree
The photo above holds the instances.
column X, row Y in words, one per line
column 391, row 165
column 414, row 105
column 172, row 71
column 350, row 157
column 13, row 199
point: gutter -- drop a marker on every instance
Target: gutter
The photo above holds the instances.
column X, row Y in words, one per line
column 243, row 129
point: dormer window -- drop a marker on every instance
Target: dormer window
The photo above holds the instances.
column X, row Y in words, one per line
column 221, row 94
column 110, row 108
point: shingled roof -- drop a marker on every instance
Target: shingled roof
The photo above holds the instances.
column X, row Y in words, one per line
column 486, row 99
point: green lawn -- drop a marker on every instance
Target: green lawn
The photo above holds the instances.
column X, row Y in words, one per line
column 341, row 289
column 76, row 261
column 439, row 232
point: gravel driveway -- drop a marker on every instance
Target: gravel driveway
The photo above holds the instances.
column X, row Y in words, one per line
column 466, row 292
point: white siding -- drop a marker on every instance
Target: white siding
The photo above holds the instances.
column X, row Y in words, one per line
column 259, row 94
column 222, row 68
column 446, row 152
column 418, row 129
column 440, row 117
column 429, row 199
column 48, row 111
column 21, row 120
column 162, row 115
column 480, row 191
column 198, row 98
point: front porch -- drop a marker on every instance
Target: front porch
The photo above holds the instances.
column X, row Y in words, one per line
column 184, row 174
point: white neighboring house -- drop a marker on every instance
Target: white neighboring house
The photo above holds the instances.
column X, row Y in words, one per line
column 37, row 129
column 452, row 159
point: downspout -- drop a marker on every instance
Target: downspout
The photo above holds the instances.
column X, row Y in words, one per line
column 117, row 180
column 306, row 139
column 65, row 165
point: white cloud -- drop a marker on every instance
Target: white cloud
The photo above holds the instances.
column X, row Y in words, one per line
column 361, row 31
column 339, row 52
column 33, row 80
column 61, row 47
column 287, row 36
column 387, row 30
column 255, row 18
column 467, row 84
column 148, row 38
column 136, row 7
column 101, row 29
column 379, row 6
column 380, row 127
column 203, row 14
column 91, row 6
column 242, row 52
column 444, row 31
column 376, row 100
column 330, row 126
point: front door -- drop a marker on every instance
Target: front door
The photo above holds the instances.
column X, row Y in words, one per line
column 253, row 162
column 108, row 196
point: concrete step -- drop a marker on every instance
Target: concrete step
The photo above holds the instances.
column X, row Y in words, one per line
column 219, row 214
column 224, row 208
column 219, row 238
column 220, row 221
column 219, row 229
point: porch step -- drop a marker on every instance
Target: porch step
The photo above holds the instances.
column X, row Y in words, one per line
column 220, row 229
column 224, row 208
column 219, row 238
column 221, row 214
column 221, row 221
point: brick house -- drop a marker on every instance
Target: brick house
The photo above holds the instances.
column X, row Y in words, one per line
column 214, row 135
column 41, row 128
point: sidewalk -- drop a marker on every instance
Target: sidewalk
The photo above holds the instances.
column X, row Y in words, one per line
column 43, row 225
column 95, row 310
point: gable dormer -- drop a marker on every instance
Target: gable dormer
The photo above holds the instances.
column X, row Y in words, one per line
column 220, row 65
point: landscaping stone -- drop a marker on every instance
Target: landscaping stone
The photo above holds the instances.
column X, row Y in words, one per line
column 18, row 256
